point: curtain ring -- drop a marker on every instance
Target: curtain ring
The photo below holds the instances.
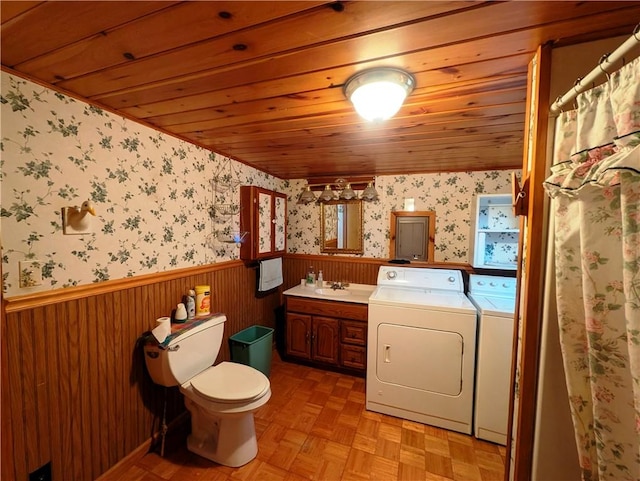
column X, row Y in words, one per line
column 604, row 59
column 576, row 84
column 558, row 102
column 636, row 31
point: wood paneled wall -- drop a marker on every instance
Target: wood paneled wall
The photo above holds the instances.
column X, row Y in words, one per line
column 358, row 270
column 75, row 390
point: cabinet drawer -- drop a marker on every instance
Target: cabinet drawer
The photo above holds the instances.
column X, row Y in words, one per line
column 353, row 332
column 338, row 309
column 353, row 356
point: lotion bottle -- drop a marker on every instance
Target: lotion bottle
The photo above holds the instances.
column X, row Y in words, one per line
column 320, row 279
column 191, row 304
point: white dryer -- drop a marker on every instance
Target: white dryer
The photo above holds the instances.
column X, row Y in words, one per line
column 421, row 347
column 494, row 297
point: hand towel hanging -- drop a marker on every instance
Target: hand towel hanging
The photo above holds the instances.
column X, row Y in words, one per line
column 270, row 274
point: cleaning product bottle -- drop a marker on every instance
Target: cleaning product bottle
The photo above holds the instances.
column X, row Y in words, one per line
column 320, row 279
column 191, row 304
column 311, row 276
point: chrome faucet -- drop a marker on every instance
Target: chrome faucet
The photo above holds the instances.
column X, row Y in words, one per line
column 339, row 285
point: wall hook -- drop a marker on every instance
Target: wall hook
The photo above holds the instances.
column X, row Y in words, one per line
column 519, row 194
column 76, row 220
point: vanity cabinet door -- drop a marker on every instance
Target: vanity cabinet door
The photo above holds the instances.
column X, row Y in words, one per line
column 330, row 334
column 263, row 216
column 325, row 340
column 299, row 335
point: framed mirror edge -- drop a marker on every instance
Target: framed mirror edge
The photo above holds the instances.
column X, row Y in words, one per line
column 330, row 249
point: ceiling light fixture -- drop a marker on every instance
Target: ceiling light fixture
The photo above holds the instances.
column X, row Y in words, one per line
column 342, row 188
column 378, row 94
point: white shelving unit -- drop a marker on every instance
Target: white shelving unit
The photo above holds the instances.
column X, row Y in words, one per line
column 495, row 232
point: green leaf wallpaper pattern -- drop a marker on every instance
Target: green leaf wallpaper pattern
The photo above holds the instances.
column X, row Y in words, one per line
column 153, row 194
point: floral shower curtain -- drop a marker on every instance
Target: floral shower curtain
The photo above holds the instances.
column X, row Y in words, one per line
column 595, row 187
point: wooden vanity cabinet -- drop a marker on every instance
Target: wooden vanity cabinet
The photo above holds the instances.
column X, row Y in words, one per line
column 327, row 333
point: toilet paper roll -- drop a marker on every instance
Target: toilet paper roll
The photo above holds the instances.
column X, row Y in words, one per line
column 162, row 329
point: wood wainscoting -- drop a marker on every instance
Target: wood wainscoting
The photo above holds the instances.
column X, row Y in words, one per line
column 357, row 270
column 75, row 390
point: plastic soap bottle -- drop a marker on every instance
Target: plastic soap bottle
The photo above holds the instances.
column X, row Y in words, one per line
column 191, row 304
column 320, row 279
column 311, row 277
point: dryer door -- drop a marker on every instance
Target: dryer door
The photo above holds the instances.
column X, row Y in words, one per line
column 420, row 358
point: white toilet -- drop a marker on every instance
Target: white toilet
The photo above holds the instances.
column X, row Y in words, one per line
column 221, row 398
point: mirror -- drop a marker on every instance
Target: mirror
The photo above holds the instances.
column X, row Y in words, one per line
column 341, row 227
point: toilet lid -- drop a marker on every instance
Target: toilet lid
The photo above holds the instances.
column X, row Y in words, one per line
column 230, row 382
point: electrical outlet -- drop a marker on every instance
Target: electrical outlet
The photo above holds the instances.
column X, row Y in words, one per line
column 30, row 273
column 43, row 473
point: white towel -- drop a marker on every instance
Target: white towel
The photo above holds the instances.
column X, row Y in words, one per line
column 270, row 274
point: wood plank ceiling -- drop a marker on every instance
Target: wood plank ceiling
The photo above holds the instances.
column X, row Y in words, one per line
column 262, row 82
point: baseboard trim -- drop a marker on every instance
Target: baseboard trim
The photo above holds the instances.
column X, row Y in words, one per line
column 118, row 470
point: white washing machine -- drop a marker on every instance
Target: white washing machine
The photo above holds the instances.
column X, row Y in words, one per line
column 421, row 347
column 494, row 297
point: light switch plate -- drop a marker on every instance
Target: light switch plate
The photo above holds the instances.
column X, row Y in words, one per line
column 30, row 273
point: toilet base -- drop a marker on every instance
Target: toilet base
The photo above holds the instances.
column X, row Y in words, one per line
column 227, row 439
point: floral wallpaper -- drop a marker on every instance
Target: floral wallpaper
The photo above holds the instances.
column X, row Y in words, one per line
column 162, row 203
column 153, row 194
column 450, row 195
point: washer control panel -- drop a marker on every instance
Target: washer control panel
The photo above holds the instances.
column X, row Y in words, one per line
column 498, row 286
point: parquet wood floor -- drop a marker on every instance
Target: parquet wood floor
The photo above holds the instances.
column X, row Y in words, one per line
column 315, row 426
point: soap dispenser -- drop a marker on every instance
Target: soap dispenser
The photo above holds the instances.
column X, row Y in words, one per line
column 320, row 279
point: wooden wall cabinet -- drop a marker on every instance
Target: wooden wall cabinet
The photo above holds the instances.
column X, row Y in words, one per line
column 263, row 216
column 327, row 333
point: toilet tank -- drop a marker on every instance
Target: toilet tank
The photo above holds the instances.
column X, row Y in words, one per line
column 187, row 352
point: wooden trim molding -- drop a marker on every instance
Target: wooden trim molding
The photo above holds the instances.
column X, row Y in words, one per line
column 529, row 301
column 431, row 214
column 39, row 299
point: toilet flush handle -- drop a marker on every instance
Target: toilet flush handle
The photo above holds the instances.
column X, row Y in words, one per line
column 173, row 348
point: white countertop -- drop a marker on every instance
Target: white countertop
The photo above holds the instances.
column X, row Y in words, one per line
column 358, row 293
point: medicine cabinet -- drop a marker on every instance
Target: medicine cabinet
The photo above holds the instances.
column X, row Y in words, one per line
column 263, row 215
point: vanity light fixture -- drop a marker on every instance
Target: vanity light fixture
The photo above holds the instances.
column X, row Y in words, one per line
column 370, row 193
column 340, row 187
column 327, row 194
column 306, row 196
column 377, row 94
column 348, row 193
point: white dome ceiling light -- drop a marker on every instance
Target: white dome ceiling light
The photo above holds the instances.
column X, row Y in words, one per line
column 378, row 94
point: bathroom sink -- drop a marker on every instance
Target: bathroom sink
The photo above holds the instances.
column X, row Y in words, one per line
column 332, row 292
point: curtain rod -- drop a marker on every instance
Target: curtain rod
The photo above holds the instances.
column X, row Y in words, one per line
column 607, row 60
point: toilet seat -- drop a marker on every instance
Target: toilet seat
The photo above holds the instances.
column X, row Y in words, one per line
column 230, row 382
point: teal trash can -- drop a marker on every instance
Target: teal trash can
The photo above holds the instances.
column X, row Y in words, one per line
column 252, row 346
